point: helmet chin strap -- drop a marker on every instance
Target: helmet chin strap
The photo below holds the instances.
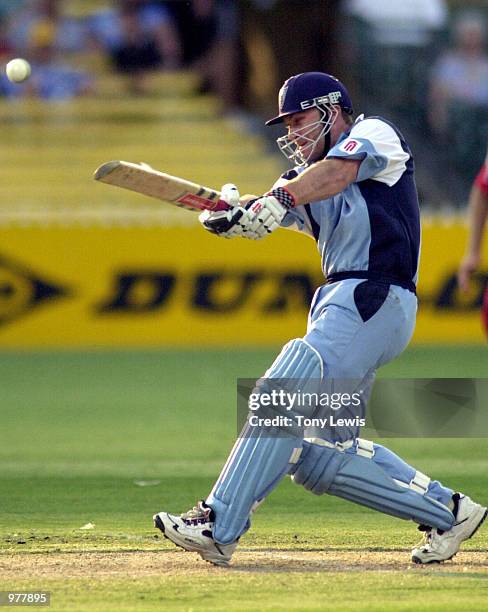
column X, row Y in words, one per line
column 325, row 149
column 326, row 143
column 327, row 135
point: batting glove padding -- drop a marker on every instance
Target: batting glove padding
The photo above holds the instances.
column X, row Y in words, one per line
column 224, row 223
column 265, row 214
column 256, row 220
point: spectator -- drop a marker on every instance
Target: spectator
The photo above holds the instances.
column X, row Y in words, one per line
column 282, row 38
column 66, row 34
column 43, row 35
column 218, row 65
column 5, row 48
column 408, row 24
column 52, row 79
column 391, row 45
column 139, row 38
column 8, row 7
column 210, row 30
column 460, row 75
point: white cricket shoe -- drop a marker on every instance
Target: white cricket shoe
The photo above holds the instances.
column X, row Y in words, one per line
column 439, row 545
column 193, row 532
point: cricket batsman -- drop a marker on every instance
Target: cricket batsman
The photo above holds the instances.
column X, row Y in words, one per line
column 352, row 189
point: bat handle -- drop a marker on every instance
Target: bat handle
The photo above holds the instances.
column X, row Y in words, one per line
column 221, row 205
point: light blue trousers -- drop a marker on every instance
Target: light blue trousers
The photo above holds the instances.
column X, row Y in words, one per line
column 353, row 348
column 355, row 327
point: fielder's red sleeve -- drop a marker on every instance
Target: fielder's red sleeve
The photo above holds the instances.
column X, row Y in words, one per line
column 481, row 181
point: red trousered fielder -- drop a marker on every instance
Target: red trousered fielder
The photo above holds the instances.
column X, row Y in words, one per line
column 352, row 190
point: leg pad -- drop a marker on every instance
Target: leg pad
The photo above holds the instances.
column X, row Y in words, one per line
column 261, row 457
column 353, row 475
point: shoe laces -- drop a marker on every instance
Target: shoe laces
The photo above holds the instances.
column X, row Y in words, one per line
column 198, row 515
column 429, row 534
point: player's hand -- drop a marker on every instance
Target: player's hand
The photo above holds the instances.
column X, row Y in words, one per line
column 225, row 222
column 263, row 216
column 255, row 219
column 468, row 265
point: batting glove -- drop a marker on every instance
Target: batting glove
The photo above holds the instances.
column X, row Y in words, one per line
column 255, row 220
column 225, row 222
column 265, row 214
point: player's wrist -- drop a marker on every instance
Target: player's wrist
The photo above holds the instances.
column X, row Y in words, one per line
column 284, row 197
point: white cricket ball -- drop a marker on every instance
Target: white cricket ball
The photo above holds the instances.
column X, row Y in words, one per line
column 18, row 70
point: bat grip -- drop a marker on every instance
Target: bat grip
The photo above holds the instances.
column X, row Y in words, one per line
column 221, row 205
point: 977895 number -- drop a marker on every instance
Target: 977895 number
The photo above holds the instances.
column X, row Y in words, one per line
column 24, row 598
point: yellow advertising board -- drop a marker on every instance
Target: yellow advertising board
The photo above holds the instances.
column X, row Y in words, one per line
column 103, row 286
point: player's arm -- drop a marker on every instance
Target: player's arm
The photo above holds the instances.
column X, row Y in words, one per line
column 477, row 216
column 322, row 180
column 372, row 151
column 255, row 218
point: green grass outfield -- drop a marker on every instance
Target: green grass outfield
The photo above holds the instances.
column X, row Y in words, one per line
column 79, row 429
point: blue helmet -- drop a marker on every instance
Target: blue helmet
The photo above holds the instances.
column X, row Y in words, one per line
column 310, row 89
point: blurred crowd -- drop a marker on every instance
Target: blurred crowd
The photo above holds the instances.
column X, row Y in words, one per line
column 135, row 38
column 425, row 61
column 428, row 63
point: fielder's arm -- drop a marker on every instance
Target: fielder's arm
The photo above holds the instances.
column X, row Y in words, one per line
column 477, row 216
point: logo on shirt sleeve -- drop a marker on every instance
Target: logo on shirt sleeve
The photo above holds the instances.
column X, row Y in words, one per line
column 350, row 145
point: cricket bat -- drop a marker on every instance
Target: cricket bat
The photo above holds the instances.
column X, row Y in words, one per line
column 141, row 178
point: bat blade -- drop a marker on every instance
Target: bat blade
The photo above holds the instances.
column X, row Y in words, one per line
column 143, row 179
